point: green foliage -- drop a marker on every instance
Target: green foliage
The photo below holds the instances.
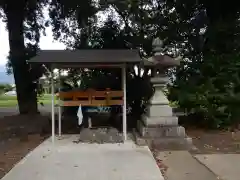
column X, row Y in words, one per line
column 139, row 91
column 207, row 82
column 205, row 33
column 25, row 25
column 112, row 36
column 5, row 88
column 11, row 101
column 213, row 94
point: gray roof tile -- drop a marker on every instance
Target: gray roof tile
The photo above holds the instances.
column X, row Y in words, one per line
column 86, row 56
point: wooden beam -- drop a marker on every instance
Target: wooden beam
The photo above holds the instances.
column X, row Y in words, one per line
column 91, row 98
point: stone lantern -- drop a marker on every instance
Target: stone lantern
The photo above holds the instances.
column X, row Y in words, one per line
column 159, row 123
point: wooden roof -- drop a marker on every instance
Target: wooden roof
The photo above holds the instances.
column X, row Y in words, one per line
column 91, row 56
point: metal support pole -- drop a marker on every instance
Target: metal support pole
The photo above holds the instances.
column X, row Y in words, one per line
column 59, row 105
column 124, row 104
column 53, row 113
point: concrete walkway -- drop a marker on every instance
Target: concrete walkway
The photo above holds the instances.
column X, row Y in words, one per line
column 67, row 160
column 10, row 111
column 182, row 166
column 226, row 166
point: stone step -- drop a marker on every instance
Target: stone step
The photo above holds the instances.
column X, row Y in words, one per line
column 160, row 121
column 161, row 131
column 166, row 143
column 171, row 143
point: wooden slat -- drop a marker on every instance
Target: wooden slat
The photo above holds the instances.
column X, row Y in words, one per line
column 97, row 105
column 80, row 97
column 115, row 93
column 107, row 98
column 99, row 94
column 81, row 94
column 94, row 103
column 75, row 103
column 99, row 102
column 63, row 95
column 115, row 98
column 115, row 102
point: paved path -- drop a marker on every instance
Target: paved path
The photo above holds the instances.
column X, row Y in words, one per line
column 182, row 166
column 71, row 161
column 226, row 166
column 9, row 111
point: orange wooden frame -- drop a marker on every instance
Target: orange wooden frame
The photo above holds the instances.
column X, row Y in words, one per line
column 91, row 98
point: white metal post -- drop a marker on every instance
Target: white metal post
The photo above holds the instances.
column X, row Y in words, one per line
column 53, row 113
column 59, row 105
column 124, row 104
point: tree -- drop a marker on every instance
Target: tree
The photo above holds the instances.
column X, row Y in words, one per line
column 24, row 24
column 207, row 82
column 109, row 35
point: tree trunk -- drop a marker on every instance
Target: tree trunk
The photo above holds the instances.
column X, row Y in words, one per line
column 26, row 94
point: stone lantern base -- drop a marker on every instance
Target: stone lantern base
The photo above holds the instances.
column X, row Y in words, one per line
column 159, row 125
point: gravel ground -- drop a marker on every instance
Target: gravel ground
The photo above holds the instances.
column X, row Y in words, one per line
column 212, row 142
column 19, row 134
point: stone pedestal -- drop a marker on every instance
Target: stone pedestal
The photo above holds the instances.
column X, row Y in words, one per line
column 159, row 124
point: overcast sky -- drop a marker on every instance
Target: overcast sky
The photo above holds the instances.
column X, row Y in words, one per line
column 46, row 42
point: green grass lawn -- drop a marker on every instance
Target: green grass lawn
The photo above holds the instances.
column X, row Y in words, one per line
column 11, row 101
